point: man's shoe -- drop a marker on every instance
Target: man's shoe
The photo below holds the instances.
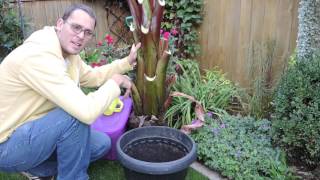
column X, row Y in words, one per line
column 33, row 177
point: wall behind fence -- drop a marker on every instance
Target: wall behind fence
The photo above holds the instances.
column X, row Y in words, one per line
column 232, row 29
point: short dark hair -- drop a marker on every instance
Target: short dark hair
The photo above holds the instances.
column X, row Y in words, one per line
column 82, row 7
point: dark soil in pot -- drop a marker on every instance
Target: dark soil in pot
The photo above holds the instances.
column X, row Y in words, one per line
column 155, row 152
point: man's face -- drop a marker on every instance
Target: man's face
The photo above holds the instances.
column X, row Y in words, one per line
column 75, row 32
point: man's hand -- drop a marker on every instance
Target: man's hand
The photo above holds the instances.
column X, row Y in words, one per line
column 124, row 82
column 133, row 53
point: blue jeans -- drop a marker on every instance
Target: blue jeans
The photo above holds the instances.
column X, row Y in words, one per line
column 56, row 144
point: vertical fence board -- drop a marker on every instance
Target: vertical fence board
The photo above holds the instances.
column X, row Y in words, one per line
column 46, row 13
column 232, row 27
column 244, row 36
column 286, row 33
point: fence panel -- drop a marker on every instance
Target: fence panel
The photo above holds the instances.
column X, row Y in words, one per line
column 233, row 28
column 42, row 13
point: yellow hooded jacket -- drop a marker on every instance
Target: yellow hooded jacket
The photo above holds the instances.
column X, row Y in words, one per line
column 35, row 78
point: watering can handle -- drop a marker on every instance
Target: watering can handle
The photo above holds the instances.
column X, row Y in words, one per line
column 118, row 109
column 116, row 106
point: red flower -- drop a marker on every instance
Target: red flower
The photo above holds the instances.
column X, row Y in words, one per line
column 94, row 64
column 109, row 39
column 99, row 44
column 174, row 31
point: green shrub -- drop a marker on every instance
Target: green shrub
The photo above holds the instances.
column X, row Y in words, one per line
column 11, row 34
column 212, row 90
column 296, row 125
column 240, row 148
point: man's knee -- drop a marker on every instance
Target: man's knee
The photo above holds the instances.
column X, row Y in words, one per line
column 105, row 144
column 68, row 123
column 100, row 144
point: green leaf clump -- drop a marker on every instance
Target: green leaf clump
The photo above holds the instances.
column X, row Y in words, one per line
column 240, row 148
column 11, row 34
column 212, row 90
column 184, row 16
column 296, row 125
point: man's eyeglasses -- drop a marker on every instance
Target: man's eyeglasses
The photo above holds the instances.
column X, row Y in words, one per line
column 76, row 28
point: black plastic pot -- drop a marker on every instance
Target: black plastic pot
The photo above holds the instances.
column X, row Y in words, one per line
column 155, row 152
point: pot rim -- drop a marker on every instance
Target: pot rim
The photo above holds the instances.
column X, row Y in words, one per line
column 156, row 167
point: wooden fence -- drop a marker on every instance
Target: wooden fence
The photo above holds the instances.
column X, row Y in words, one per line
column 46, row 12
column 232, row 29
column 229, row 36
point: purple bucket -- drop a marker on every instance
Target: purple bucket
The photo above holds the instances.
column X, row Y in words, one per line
column 114, row 125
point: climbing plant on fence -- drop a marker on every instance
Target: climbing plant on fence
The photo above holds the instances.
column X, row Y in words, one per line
column 182, row 17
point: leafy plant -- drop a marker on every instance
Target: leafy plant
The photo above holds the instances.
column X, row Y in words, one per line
column 11, row 34
column 183, row 17
column 149, row 92
column 261, row 56
column 296, row 117
column 212, row 90
column 104, row 52
column 240, row 148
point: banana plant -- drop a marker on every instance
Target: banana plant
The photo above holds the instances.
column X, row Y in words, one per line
column 149, row 90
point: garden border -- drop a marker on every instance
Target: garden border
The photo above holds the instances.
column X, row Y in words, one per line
column 205, row 171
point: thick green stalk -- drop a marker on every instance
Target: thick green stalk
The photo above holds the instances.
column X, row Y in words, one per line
column 140, row 75
column 135, row 10
column 150, row 98
column 157, row 17
column 149, row 47
column 152, row 4
column 152, row 61
column 140, row 67
column 146, row 16
column 149, row 54
column 161, row 77
column 137, row 100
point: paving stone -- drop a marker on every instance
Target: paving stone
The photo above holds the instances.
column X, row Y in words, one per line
column 212, row 175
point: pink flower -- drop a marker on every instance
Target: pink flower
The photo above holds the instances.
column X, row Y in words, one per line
column 99, row 44
column 166, row 35
column 174, row 31
column 109, row 39
column 94, row 64
column 161, row 31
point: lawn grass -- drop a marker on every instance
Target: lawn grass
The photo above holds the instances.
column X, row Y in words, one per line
column 105, row 170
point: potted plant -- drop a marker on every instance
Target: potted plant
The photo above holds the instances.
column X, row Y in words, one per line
column 149, row 91
column 155, row 153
